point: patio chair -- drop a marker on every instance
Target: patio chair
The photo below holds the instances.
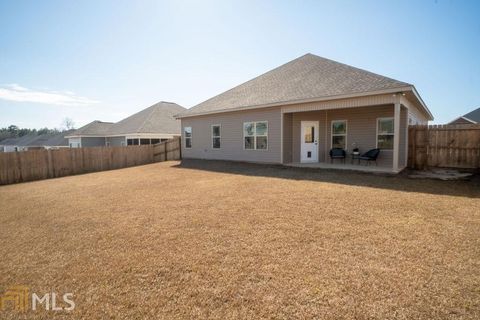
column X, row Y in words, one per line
column 370, row 155
column 337, row 153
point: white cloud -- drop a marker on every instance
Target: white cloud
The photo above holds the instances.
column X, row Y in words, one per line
column 15, row 92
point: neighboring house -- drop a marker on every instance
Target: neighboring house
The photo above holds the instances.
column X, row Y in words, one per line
column 149, row 126
column 297, row 112
column 49, row 141
column 472, row 117
column 90, row 135
column 34, row 142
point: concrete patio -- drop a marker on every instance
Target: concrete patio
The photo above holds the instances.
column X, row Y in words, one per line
column 344, row 166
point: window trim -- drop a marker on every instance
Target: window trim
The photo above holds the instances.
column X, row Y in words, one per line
column 339, row 134
column 388, row 134
column 220, row 136
column 255, row 136
column 185, row 138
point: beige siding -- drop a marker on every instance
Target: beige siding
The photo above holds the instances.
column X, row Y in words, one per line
column 361, row 129
column 374, row 100
column 415, row 116
column 232, row 147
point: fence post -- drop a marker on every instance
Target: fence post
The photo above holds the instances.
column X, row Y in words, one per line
column 165, row 158
column 180, row 147
column 412, row 146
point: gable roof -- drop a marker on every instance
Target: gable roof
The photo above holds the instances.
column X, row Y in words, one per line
column 95, row 128
column 473, row 115
column 159, row 118
column 307, row 77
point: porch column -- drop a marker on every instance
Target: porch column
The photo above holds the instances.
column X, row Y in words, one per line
column 281, row 136
column 396, row 131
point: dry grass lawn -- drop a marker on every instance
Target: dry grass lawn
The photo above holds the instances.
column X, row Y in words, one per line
column 234, row 241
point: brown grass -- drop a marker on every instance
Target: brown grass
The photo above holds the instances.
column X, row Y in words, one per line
column 229, row 241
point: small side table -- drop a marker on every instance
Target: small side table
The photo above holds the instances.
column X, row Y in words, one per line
column 356, row 156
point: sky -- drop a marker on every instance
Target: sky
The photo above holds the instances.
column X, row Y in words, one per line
column 105, row 60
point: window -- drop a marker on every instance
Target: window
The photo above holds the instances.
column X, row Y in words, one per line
column 187, row 135
column 144, row 141
column 132, row 142
column 155, row 141
column 309, row 134
column 255, row 135
column 385, row 132
column 107, row 143
column 339, row 134
column 216, row 136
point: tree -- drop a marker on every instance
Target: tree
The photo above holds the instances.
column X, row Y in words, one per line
column 43, row 131
column 68, row 124
column 24, row 131
column 13, row 130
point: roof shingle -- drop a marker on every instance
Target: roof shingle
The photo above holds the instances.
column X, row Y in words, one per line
column 159, row 118
column 307, row 77
column 94, row 128
column 473, row 115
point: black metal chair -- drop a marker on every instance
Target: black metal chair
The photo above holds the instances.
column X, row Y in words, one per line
column 337, row 153
column 370, row 155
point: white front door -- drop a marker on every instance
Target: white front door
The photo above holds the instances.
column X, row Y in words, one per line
column 309, row 141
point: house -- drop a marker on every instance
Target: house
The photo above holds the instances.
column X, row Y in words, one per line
column 49, row 141
column 472, row 117
column 90, row 135
column 149, row 126
column 34, row 142
column 296, row 113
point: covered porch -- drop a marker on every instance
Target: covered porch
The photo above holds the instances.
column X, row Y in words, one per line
column 310, row 132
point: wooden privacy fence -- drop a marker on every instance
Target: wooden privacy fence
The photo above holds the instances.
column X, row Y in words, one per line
column 168, row 150
column 43, row 164
column 445, row 146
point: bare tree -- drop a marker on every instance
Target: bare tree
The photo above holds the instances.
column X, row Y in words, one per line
column 68, row 124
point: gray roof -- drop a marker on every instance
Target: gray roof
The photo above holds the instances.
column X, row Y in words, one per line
column 94, row 128
column 159, row 118
column 20, row 141
column 473, row 115
column 307, row 77
column 49, row 139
